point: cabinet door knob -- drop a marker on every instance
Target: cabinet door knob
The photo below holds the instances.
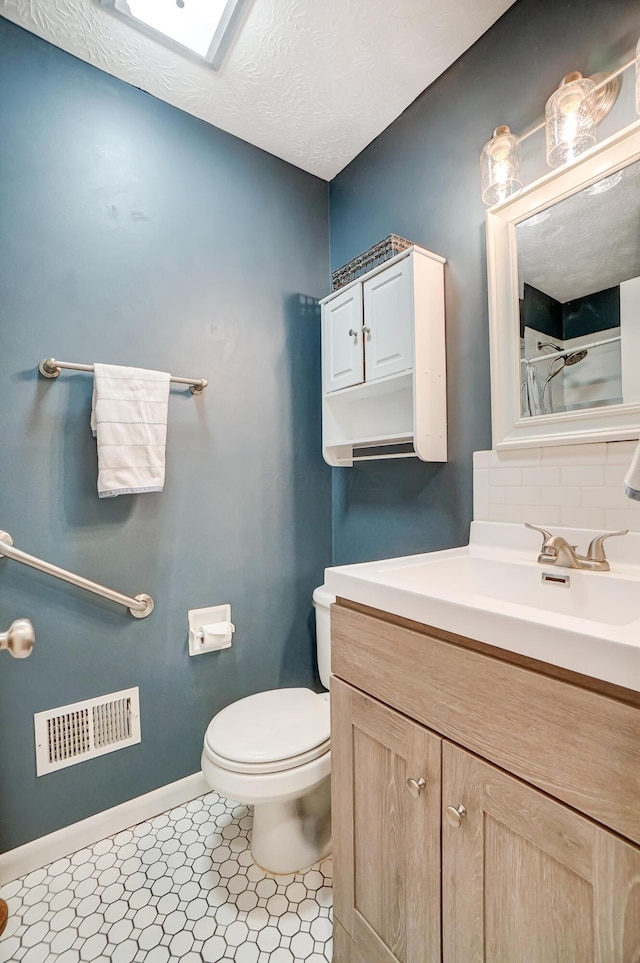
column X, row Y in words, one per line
column 415, row 786
column 455, row 816
column 352, row 333
column 365, row 329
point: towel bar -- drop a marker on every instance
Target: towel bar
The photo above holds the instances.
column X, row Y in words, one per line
column 50, row 368
column 139, row 605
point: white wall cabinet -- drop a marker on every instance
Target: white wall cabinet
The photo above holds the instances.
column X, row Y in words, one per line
column 383, row 361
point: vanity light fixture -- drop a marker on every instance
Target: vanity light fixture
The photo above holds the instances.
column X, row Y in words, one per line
column 204, row 28
column 500, row 166
column 572, row 114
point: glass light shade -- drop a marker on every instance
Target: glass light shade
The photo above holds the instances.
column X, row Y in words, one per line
column 570, row 119
column 605, row 184
column 500, row 166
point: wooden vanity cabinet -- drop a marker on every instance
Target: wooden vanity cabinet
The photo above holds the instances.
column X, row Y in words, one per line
column 475, row 864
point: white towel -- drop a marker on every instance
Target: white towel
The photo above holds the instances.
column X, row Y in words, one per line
column 129, row 421
column 532, row 391
column 632, row 478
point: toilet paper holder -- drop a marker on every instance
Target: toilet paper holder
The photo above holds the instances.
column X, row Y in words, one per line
column 210, row 629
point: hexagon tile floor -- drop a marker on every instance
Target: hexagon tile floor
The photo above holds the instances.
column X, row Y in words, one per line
column 181, row 886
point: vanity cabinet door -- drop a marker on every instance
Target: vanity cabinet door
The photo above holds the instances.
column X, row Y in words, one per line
column 525, row 877
column 386, row 832
column 342, row 352
column 388, row 320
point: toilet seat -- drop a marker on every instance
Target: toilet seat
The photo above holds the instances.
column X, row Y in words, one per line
column 270, row 732
column 278, row 765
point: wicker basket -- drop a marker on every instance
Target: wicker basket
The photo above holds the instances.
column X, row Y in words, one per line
column 382, row 251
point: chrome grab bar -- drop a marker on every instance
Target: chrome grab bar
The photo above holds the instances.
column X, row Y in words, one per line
column 19, row 638
column 50, row 368
column 139, row 605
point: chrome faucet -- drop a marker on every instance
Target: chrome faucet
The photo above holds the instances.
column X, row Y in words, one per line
column 557, row 551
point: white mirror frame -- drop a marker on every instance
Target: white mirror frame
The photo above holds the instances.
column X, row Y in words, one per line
column 510, row 429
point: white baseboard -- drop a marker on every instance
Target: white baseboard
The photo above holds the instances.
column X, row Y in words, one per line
column 24, row 859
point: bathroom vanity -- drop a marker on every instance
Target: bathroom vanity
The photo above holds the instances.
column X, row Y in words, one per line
column 486, row 803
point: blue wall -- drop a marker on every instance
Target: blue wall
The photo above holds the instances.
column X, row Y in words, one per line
column 421, row 179
column 133, row 233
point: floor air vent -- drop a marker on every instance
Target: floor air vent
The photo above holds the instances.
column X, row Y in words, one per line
column 84, row 730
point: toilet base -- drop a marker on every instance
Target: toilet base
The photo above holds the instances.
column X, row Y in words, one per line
column 291, row 835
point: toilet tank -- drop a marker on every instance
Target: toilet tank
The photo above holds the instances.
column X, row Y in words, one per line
column 321, row 601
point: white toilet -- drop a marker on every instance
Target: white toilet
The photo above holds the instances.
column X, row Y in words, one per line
column 272, row 751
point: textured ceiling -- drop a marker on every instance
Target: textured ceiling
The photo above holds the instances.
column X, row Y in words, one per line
column 587, row 243
column 311, row 81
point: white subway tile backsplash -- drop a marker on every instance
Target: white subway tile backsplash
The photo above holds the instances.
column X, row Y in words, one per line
column 617, row 519
column 505, row 476
column 575, row 454
column 481, row 490
column 541, row 476
column 605, row 497
column 545, row 516
column 577, row 517
column 505, row 513
column 514, row 456
column 621, row 452
column 560, row 496
column 582, row 475
column 578, row 486
column 614, row 475
column 522, row 495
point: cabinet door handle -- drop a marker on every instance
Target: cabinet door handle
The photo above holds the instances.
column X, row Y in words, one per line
column 365, row 329
column 455, row 815
column 415, row 786
column 352, row 333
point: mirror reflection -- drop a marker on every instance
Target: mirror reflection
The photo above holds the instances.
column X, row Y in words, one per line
column 579, row 281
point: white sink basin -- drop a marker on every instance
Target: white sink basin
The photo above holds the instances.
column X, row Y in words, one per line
column 493, row 590
column 484, row 581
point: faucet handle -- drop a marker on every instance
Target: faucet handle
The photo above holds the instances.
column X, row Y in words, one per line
column 595, row 552
column 545, row 534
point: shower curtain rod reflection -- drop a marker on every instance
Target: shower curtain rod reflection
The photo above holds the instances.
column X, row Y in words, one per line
column 50, row 368
column 139, row 605
column 564, row 351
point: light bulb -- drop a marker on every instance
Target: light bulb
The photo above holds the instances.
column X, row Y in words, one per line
column 500, row 166
column 570, row 119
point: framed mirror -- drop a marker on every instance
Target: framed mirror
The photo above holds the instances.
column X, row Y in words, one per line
column 563, row 261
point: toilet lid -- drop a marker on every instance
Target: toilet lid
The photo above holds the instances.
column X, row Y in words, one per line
column 270, row 726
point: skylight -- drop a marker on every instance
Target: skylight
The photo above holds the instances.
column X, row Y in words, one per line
column 202, row 27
